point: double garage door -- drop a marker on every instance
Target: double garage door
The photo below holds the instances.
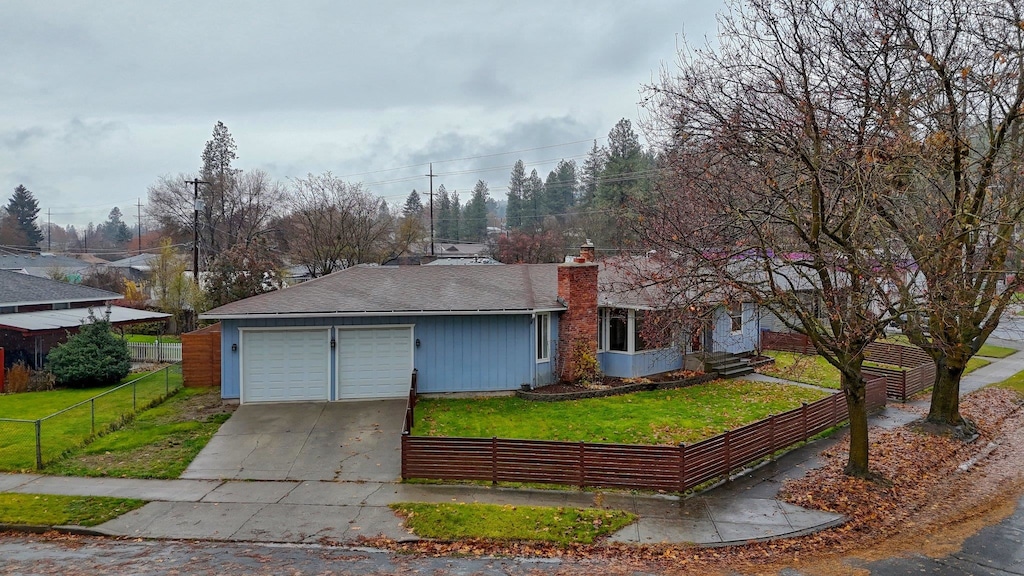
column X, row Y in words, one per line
column 295, row 365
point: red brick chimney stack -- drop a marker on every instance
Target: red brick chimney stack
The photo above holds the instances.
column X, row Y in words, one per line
column 577, row 287
column 587, row 251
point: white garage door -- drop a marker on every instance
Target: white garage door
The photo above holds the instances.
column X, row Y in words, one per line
column 374, row 362
column 282, row 365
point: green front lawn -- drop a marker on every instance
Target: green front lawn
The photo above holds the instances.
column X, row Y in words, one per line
column 494, row 522
column 816, row 370
column 802, row 368
column 663, row 417
column 76, row 426
column 160, row 443
column 987, row 350
column 52, row 510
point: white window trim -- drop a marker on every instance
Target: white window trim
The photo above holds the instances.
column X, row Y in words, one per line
column 604, row 317
column 602, row 329
column 742, row 321
column 544, row 318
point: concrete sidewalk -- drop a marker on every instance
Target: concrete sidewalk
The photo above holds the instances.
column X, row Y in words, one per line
column 316, row 511
column 311, row 511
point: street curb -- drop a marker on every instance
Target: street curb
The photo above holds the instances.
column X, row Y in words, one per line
column 65, row 529
column 793, row 534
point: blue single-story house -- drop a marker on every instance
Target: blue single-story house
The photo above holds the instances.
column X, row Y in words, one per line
column 360, row 332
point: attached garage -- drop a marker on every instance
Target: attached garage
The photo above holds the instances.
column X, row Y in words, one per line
column 374, row 362
column 285, row 365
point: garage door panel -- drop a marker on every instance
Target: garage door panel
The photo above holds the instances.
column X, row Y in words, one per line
column 374, row 362
column 283, row 365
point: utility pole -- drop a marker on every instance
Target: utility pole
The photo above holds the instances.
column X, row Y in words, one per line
column 195, row 182
column 431, row 176
column 49, row 229
column 138, row 216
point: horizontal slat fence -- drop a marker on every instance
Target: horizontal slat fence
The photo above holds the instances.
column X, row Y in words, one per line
column 584, row 464
column 917, row 373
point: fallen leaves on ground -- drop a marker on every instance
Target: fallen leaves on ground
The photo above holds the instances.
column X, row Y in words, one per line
column 921, row 490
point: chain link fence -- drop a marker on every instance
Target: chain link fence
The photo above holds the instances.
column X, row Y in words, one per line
column 26, row 444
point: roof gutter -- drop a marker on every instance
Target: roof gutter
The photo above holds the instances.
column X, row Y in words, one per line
column 208, row 316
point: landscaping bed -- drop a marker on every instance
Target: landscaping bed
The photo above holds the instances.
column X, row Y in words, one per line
column 610, row 386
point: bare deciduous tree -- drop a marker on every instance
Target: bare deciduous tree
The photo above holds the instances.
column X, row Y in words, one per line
column 334, row 224
column 767, row 178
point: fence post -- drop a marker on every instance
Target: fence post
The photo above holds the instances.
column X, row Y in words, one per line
column 92, row 407
column 39, row 445
column 682, row 467
column 494, row 459
column 582, row 465
column 728, row 455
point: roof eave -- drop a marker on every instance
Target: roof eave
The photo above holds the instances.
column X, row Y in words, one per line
column 365, row 313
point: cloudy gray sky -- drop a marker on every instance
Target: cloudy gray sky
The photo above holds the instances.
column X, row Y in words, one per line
column 99, row 99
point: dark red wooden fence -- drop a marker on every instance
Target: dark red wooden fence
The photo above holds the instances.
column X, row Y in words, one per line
column 916, row 373
column 671, row 468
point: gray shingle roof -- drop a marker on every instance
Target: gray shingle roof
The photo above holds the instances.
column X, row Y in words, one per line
column 17, row 288
column 380, row 289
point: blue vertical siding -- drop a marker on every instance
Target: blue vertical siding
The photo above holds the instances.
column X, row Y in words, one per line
column 626, row 365
column 456, row 353
column 743, row 341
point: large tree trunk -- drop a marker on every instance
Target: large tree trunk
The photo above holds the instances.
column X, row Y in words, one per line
column 945, row 405
column 855, row 392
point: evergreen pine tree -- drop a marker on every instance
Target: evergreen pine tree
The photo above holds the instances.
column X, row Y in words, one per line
column 456, row 217
column 514, row 211
column 413, row 207
column 24, row 208
column 533, row 202
column 444, row 213
column 474, row 220
column 593, row 166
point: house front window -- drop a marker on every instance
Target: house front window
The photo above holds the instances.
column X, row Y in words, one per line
column 543, row 337
column 736, row 316
column 638, row 324
column 618, row 330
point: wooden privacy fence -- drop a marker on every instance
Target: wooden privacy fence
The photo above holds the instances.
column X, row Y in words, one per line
column 200, row 356
column 672, row 468
column 916, row 370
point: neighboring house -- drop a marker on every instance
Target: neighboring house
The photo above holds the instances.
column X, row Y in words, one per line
column 36, row 314
column 46, row 265
column 135, row 268
column 360, row 332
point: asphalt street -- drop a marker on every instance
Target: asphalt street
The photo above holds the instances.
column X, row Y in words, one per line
column 997, row 550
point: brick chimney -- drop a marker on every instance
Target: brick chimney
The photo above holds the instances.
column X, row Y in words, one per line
column 577, row 287
column 587, row 251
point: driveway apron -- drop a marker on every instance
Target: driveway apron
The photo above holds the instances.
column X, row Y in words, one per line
column 346, row 441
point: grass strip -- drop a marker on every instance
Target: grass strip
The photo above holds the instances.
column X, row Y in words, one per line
column 1015, row 382
column 159, row 443
column 54, row 510
column 562, row 525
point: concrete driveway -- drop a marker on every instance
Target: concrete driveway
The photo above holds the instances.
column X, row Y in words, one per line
column 350, row 441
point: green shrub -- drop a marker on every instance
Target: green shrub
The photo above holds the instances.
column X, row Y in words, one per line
column 93, row 357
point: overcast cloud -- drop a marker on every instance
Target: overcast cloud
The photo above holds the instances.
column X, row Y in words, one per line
column 99, row 99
